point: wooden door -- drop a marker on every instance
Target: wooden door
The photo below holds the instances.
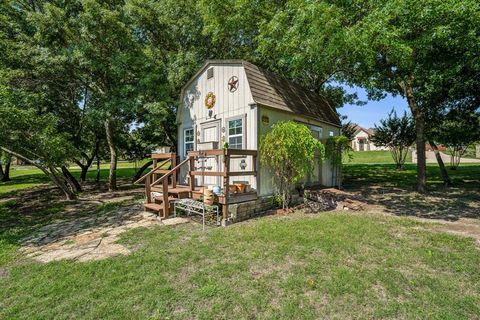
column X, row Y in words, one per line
column 210, row 131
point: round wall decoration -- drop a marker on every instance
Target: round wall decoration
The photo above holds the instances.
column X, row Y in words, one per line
column 210, row 100
column 233, row 84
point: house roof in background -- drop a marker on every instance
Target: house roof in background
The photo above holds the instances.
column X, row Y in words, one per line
column 274, row 91
column 369, row 131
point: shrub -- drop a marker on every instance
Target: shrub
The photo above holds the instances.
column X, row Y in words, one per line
column 288, row 151
column 397, row 134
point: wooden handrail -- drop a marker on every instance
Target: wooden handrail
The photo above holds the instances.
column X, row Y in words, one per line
column 222, row 152
column 170, row 172
column 158, row 167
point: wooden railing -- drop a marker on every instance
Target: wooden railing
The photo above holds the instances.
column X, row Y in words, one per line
column 225, row 173
column 151, row 172
column 164, row 181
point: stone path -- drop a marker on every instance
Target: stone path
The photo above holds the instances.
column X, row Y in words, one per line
column 89, row 238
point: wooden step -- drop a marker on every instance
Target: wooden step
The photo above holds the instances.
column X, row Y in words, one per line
column 154, row 207
column 160, row 199
column 180, row 192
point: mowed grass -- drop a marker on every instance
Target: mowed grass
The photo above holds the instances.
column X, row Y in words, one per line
column 26, row 177
column 303, row 267
column 467, row 176
column 330, row 265
column 380, row 156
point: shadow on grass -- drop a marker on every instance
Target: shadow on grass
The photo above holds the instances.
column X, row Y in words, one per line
column 395, row 190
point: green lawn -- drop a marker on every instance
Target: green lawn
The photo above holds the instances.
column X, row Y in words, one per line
column 381, row 156
column 26, row 177
column 331, row 265
column 467, row 175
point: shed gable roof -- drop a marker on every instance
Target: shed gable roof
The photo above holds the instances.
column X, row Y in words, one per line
column 274, row 91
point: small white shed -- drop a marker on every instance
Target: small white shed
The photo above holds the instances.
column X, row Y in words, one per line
column 236, row 102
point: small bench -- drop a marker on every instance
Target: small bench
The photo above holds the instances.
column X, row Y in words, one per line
column 196, row 207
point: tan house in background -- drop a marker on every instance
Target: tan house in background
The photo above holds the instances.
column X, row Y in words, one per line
column 361, row 140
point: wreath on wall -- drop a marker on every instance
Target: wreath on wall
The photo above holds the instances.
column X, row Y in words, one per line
column 210, row 100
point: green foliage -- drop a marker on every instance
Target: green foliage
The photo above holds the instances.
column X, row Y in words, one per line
column 397, row 134
column 458, row 131
column 338, row 150
column 348, row 130
column 288, row 151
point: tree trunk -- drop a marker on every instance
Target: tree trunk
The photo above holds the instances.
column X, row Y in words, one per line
column 97, row 178
column 112, row 177
column 141, row 170
column 419, row 118
column 83, row 173
column 441, row 165
column 84, row 170
column 1, row 172
column 71, row 180
column 62, row 183
column 50, row 172
column 6, row 173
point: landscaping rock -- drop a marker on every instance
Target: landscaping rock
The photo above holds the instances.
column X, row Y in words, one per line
column 332, row 199
column 88, row 238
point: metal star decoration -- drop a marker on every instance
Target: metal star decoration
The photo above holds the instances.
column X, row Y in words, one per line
column 233, row 84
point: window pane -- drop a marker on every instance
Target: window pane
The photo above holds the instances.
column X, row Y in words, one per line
column 235, row 133
column 235, row 142
column 189, row 135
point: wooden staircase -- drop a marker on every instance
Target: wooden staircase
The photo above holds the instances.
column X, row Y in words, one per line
column 161, row 192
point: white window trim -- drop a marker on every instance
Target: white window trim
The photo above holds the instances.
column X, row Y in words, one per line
column 244, row 126
column 185, row 140
column 317, row 129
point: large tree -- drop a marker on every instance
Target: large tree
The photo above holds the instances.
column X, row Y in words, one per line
column 38, row 92
column 395, row 46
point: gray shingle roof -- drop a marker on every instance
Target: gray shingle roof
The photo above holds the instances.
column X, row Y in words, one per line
column 274, row 91
column 271, row 90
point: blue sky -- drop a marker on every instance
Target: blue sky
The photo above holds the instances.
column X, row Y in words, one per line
column 369, row 114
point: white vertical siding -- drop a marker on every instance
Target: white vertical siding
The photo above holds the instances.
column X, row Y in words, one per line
column 237, row 104
column 228, row 104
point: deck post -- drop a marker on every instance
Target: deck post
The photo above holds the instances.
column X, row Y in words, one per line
column 154, row 165
column 174, row 175
column 166, row 205
column 226, row 168
column 191, row 168
column 148, row 192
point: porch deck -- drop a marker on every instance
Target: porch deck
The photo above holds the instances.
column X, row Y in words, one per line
column 162, row 190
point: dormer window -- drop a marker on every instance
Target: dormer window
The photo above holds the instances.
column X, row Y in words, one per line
column 210, row 73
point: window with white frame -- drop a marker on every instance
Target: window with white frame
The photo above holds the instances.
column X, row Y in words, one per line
column 235, row 133
column 188, row 140
column 317, row 132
